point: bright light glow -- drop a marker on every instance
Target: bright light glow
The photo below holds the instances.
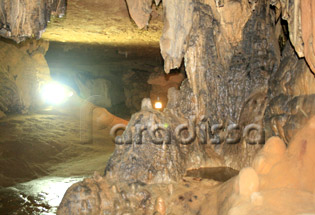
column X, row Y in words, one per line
column 158, row 105
column 54, row 93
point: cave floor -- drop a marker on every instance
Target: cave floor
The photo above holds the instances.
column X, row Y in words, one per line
column 41, row 156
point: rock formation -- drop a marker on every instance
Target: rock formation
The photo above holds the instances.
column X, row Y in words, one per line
column 280, row 181
column 25, row 19
column 232, row 60
column 300, row 17
column 237, row 77
column 23, row 69
column 291, row 96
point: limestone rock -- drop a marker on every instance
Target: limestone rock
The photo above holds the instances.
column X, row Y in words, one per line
column 300, row 15
column 23, row 69
column 213, row 55
column 297, row 167
column 288, row 188
column 248, row 181
column 96, row 90
column 140, row 11
column 24, row 19
column 288, row 185
column 216, row 43
column 146, row 104
column 158, row 147
column 291, row 95
column 272, row 153
column 308, row 31
column 146, row 155
column 178, row 22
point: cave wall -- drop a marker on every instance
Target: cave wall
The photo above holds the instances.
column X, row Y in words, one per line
column 291, row 96
column 236, row 74
column 300, row 15
column 25, row 19
column 230, row 50
column 23, row 68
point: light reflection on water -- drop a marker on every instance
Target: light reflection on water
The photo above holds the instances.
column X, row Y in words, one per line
column 37, row 197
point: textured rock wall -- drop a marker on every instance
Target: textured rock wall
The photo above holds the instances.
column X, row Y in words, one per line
column 229, row 59
column 230, row 51
column 140, row 11
column 280, row 181
column 25, row 19
column 292, row 96
column 300, row 15
column 234, row 74
column 23, row 69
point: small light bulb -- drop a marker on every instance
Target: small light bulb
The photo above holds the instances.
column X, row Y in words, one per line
column 158, row 105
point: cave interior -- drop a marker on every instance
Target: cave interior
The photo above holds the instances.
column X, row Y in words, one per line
column 157, row 107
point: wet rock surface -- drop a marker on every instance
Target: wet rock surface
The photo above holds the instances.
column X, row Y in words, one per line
column 41, row 155
column 36, row 197
column 34, row 146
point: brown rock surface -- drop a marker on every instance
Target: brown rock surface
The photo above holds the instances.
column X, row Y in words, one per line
column 23, row 69
column 177, row 25
column 25, row 19
column 201, row 31
column 140, row 11
column 104, row 22
column 229, row 75
column 291, row 95
column 308, row 31
column 300, row 17
column 287, row 187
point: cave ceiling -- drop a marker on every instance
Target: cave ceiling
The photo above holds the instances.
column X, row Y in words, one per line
column 103, row 22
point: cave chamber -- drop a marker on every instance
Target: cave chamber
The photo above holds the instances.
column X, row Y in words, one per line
column 157, row 107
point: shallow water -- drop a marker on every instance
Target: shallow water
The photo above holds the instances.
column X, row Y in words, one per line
column 37, row 197
column 216, row 173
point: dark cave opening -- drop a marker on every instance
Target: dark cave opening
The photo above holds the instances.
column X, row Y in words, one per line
column 103, row 75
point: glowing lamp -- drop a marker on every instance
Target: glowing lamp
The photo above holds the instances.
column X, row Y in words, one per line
column 54, row 93
column 158, row 104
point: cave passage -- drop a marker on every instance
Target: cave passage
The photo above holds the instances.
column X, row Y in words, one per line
column 212, row 103
column 113, row 77
column 46, row 149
